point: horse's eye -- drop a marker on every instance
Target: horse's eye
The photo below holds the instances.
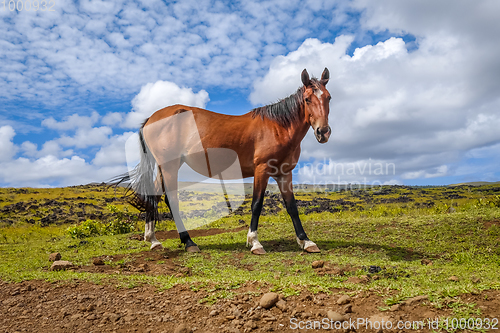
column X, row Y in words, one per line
column 308, row 100
column 329, row 98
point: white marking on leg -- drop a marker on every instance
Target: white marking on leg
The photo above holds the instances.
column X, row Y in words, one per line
column 149, row 235
column 304, row 244
column 252, row 239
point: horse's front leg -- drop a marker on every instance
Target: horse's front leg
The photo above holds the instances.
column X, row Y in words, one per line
column 169, row 176
column 286, row 187
column 259, row 188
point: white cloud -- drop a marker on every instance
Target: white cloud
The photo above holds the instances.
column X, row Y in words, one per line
column 111, row 49
column 155, row 96
column 85, row 137
column 7, row 147
column 394, row 105
column 72, row 122
column 112, row 119
column 53, row 166
column 113, row 153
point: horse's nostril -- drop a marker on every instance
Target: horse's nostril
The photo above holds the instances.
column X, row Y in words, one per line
column 318, row 131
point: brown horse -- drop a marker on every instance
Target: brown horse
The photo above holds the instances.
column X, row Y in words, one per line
column 265, row 142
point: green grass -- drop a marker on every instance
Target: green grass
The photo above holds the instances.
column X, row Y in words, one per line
column 395, row 236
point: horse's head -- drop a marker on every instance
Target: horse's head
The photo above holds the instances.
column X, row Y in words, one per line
column 317, row 104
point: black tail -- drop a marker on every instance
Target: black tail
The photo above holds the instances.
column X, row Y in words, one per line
column 141, row 192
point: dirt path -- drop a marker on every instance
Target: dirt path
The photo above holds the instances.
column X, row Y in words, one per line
column 36, row 306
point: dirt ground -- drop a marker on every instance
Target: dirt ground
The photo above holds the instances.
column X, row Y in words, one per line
column 76, row 306
column 38, row 306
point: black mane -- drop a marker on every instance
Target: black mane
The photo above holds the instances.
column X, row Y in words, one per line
column 286, row 110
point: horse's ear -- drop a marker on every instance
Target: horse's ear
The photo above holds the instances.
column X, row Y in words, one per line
column 305, row 78
column 325, row 76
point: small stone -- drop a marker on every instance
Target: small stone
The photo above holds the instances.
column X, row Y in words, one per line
column 92, row 317
column 98, row 262
column 380, row 318
column 55, row 256
column 395, row 307
column 335, row 316
column 318, row 264
column 344, row 299
column 348, row 308
column 365, row 278
column 268, row 300
column 61, row 265
column 213, row 313
column 453, row 278
column 182, row 328
column 475, row 279
column 281, row 304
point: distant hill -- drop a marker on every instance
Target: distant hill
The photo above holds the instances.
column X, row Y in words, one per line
column 475, row 183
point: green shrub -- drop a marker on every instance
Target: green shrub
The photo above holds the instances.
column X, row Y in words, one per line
column 85, row 229
column 122, row 224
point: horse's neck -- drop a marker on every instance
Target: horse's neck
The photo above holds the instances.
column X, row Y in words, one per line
column 298, row 130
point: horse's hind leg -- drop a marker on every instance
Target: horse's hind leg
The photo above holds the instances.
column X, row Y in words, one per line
column 285, row 186
column 149, row 228
column 172, row 201
column 151, row 202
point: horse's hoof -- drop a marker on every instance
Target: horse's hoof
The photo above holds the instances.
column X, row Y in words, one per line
column 193, row 249
column 156, row 246
column 259, row 251
column 312, row 249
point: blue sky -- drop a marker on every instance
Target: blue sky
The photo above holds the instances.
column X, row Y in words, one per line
column 413, row 84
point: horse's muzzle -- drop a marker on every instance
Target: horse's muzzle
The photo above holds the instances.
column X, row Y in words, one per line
column 323, row 134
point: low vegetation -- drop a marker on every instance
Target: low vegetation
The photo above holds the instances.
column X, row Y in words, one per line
column 442, row 242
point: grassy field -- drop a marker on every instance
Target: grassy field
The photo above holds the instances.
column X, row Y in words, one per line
column 419, row 237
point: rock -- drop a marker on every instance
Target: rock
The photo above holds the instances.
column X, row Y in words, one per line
column 395, row 307
column 55, row 256
column 98, row 262
column 347, row 308
column 182, row 328
column 213, row 313
column 379, row 318
column 281, row 304
column 475, row 279
column 318, row 264
column 335, row 316
column 365, row 278
column 344, row 299
column 268, row 300
column 452, row 210
column 453, row 278
column 61, row 265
